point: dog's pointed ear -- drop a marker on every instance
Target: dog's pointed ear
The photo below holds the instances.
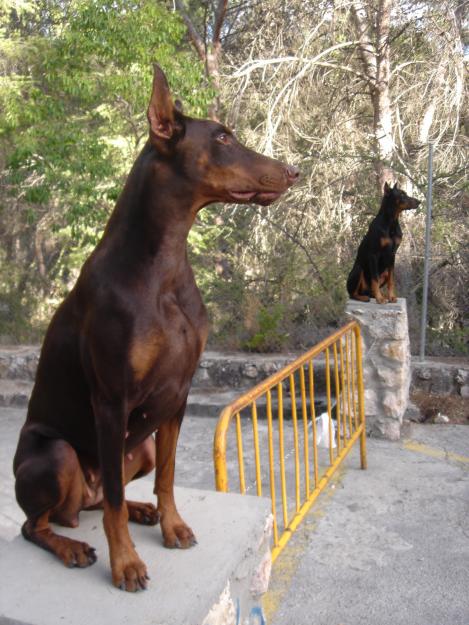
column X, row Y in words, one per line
column 161, row 109
column 387, row 189
column 395, row 186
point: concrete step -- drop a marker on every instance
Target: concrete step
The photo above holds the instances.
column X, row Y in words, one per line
column 217, row 581
column 209, row 402
column 202, row 402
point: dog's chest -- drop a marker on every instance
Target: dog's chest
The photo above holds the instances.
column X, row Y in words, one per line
column 165, row 350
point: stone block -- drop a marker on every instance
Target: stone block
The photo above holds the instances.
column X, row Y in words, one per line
column 394, row 350
column 386, row 363
column 462, row 377
column 394, row 404
column 394, row 378
column 387, row 321
column 441, row 382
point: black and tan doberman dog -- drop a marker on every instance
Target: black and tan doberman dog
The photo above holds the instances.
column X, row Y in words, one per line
column 120, row 352
column 374, row 264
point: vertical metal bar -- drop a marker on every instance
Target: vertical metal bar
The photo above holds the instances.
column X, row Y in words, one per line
column 361, row 399
column 282, row 454
column 271, row 465
column 256, row 449
column 329, row 410
column 344, row 388
column 348, row 355
column 304, row 412
column 337, row 397
column 313, row 419
column 353, row 351
column 295, row 441
column 426, row 268
column 239, row 438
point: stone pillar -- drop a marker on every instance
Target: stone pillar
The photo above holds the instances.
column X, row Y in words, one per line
column 386, row 363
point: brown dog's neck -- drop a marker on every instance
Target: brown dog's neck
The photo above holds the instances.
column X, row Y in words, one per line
column 153, row 215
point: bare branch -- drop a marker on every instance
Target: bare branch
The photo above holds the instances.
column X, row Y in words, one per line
column 196, row 39
column 220, row 13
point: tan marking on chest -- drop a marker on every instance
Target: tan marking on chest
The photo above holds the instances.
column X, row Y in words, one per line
column 143, row 354
column 384, row 241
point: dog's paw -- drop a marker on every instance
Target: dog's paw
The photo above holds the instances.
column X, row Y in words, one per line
column 130, row 574
column 76, row 554
column 176, row 534
column 143, row 513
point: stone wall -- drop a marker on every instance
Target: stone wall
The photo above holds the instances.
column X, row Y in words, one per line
column 441, row 378
column 386, row 363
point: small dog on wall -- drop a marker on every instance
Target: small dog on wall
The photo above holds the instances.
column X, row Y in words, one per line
column 120, row 352
column 374, row 264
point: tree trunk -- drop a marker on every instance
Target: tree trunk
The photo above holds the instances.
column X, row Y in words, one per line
column 374, row 51
column 208, row 51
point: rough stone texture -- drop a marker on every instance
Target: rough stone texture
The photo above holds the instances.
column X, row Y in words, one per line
column 386, row 364
column 222, row 372
column 14, row 393
column 440, row 378
column 413, row 413
column 18, row 362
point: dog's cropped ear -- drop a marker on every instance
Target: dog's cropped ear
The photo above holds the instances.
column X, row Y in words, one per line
column 387, row 189
column 161, row 110
column 395, row 186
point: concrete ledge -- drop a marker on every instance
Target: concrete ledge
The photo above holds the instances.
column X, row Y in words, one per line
column 215, row 583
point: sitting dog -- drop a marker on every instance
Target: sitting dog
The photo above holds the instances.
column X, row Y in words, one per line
column 120, row 352
column 374, row 264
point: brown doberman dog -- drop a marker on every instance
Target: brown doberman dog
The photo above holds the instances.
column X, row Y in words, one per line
column 374, row 264
column 120, row 352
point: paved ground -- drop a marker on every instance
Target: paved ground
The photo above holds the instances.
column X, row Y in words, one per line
column 387, row 546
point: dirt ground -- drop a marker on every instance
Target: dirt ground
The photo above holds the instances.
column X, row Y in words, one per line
column 452, row 406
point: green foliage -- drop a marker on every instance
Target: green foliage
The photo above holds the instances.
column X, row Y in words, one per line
column 270, row 337
column 73, row 100
column 445, row 340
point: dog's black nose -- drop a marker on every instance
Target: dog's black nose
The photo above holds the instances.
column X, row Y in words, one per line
column 293, row 173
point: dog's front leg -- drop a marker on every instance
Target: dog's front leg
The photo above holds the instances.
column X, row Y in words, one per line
column 175, row 532
column 374, row 287
column 391, row 284
column 128, row 571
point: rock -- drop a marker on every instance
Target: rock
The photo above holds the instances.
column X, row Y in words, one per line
column 249, row 370
column 462, row 377
column 464, row 391
column 412, row 413
column 394, row 350
column 384, row 428
column 424, row 374
column 441, row 418
column 394, row 405
column 371, row 401
column 393, row 377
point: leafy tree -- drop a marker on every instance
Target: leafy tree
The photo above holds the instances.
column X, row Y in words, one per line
column 74, row 91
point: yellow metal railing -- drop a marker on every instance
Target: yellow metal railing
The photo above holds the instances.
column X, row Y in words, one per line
column 296, row 478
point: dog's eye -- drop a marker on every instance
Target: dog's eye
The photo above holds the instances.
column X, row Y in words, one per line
column 223, row 138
